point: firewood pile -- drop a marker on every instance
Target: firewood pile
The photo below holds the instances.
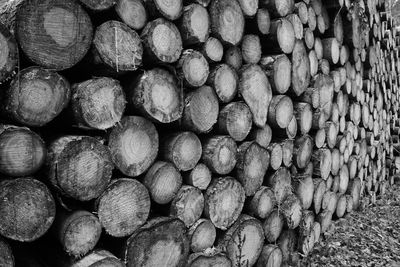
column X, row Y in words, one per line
column 191, row 132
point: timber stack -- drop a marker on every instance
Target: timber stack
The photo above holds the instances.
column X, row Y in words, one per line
column 191, row 132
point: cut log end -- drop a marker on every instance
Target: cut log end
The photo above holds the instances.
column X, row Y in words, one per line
column 188, row 205
column 8, row 54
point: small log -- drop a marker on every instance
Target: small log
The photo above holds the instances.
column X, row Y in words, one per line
column 233, row 57
column 192, row 68
column 169, row 10
column 224, row 79
column 183, row 149
column 280, row 111
column 341, row 206
column 278, row 69
column 262, row 135
column 335, row 161
column 312, row 57
column 278, row 8
column 36, row 96
column 319, row 191
column 29, row 208
column 300, row 68
column 276, row 155
column 227, row 21
column 271, row 255
column 22, row 152
column 251, row 49
column 98, row 6
column 199, row 176
column 134, row 145
column 308, row 38
column 78, row 232
column 187, row 205
column 280, row 183
column 132, row 12
column 304, row 189
column 287, row 146
column 331, row 50
column 354, row 189
column 243, row 242
column 262, row 203
column 273, row 226
column 98, row 257
column 235, row 119
column 311, row 96
column 162, row 41
column 117, row 218
column 249, row 7
column 302, row 11
column 6, row 254
column 201, row 110
column 343, row 179
column 160, row 242
column 325, row 219
column 291, row 210
column 117, row 47
column 195, row 24
column 213, row 50
column 219, row 154
column 39, row 24
column 316, row 231
column 251, row 167
column 297, row 25
column 306, row 223
column 98, row 103
column 255, row 89
column 303, row 114
column 263, row 20
column 287, row 242
column 323, row 66
column 163, row 181
column 79, row 167
column 281, row 37
column 9, row 54
column 224, row 201
column 202, row 235
column 322, row 162
column 209, row 259
column 302, row 151
column 312, row 19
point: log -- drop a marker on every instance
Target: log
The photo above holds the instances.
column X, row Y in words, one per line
column 280, row 111
column 169, row 10
column 280, row 183
column 273, row 226
column 44, row 32
column 319, row 191
column 227, row 21
column 98, row 6
column 233, row 57
column 287, row 243
column 132, row 12
column 343, row 179
column 262, row 135
column 255, row 89
column 251, row 49
column 325, row 219
column 322, row 162
column 116, row 217
column 162, row 41
column 271, row 255
column 263, row 20
column 160, row 242
column 354, row 189
column 117, row 47
column 297, row 25
column 304, row 189
column 262, row 203
column 209, row 259
column 291, row 210
column 278, row 69
column 306, row 223
column 251, row 167
column 199, row 176
column 219, row 154
column 300, row 68
column 303, row 114
column 192, row 68
column 312, row 57
column 302, row 151
column 276, row 155
column 311, row 96
column 98, row 257
column 341, row 206
column 287, row 146
column 316, row 231
column 134, row 145
column 213, row 50
column 249, row 8
column 98, row 103
column 235, row 119
column 194, row 25
column 78, row 232
column 187, row 205
column 36, row 96
column 302, row 11
column 28, row 202
column 163, row 181
column 22, row 152
column 331, row 50
column 281, row 37
column 309, row 38
column 79, row 167
column 183, row 149
column 201, row 110
column 243, row 242
column 9, row 52
column 224, row 201
column 6, row 254
column 278, row 8
column 224, row 79
column 202, row 235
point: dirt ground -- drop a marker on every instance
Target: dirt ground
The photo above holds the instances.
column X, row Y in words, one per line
column 369, row 237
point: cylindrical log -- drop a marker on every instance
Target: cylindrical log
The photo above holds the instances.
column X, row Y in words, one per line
column 79, row 167
column 224, row 201
column 251, row 167
column 187, row 205
column 213, row 50
column 99, row 258
column 162, row 41
column 279, row 8
column 28, row 209
column 287, row 242
column 235, row 119
column 78, row 232
column 160, row 242
column 291, row 210
column 98, row 103
column 132, row 13
column 262, row 203
column 36, row 96
column 163, row 181
column 280, row 111
column 233, row 57
column 263, row 20
column 302, row 151
column 341, row 206
column 322, row 162
column 219, row 154
column 134, row 145
column 273, row 226
column 201, row 110
column 319, row 191
column 280, row 183
column 251, row 49
column 9, row 54
column 287, row 152
column 55, row 34
column 183, row 149
column 209, row 258
column 271, row 255
column 202, row 235
column 276, row 155
column 192, row 68
column 331, row 50
column 304, row 189
column 195, row 24
column 300, row 68
column 303, row 113
column 281, row 37
column 169, row 10
column 278, row 69
column 22, row 152
column 262, row 135
column 224, row 79
column 199, row 176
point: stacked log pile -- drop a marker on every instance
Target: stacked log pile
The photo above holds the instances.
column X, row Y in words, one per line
column 191, row 132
